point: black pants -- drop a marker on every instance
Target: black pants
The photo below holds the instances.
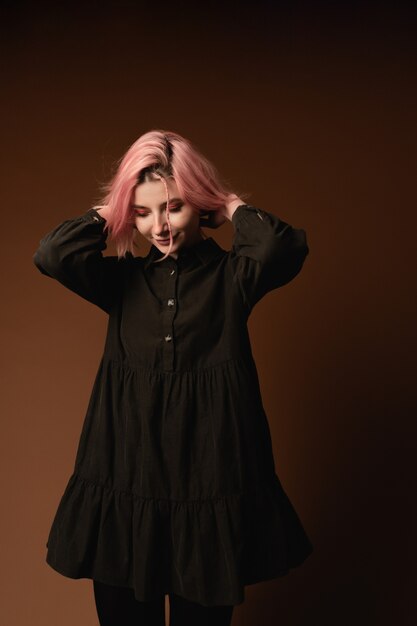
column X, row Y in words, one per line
column 117, row 606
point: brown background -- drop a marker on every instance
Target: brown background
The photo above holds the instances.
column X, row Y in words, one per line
column 310, row 108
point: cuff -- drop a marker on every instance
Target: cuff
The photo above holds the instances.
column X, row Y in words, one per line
column 242, row 211
column 92, row 217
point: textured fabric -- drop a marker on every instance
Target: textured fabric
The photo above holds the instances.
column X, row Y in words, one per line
column 174, row 487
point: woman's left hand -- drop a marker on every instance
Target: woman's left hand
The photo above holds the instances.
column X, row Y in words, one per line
column 214, row 219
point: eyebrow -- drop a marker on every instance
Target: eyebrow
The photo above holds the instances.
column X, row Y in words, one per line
column 139, row 206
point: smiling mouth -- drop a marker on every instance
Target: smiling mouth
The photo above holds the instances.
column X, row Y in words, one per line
column 165, row 242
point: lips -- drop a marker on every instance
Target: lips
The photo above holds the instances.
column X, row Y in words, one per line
column 165, row 242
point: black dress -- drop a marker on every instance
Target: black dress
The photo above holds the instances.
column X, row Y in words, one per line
column 174, row 486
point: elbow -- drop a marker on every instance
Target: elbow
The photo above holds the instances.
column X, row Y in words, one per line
column 303, row 252
column 294, row 252
column 301, row 244
column 43, row 260
column 291, row 263
column 293, row 267
column 300, row 252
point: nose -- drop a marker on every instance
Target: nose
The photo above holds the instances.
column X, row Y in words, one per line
column 160, row 226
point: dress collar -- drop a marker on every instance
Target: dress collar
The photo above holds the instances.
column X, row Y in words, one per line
column 200, row 253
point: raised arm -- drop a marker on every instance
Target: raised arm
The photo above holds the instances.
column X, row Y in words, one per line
column 266, row 253
column 72, row 254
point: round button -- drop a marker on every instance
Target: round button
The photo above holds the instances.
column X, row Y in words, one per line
column 171, row 302
column 172, row 272
column 168, row 338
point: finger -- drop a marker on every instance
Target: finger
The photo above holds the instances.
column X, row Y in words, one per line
column 206, row 218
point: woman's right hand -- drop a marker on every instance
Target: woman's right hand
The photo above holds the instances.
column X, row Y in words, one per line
column 103, row 210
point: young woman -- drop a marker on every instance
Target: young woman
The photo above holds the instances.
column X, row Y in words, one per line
column 174, row 489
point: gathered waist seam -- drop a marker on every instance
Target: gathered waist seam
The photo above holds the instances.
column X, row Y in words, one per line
column 133, row 494
column 146, row 369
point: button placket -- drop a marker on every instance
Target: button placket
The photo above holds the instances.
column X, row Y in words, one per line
column 168, row 313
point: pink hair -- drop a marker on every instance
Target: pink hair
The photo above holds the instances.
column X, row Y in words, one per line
column 160, row 154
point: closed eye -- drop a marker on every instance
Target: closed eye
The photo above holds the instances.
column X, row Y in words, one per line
column 174, row 209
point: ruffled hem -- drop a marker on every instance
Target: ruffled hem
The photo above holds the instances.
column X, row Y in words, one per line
column 203, row 550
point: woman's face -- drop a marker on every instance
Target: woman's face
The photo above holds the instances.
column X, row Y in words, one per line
column 149, row 202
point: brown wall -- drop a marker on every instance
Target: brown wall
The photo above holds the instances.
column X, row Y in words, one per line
column 311, row 109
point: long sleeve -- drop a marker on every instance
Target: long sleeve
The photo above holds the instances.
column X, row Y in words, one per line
column 266, row 253
column 72, row 254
